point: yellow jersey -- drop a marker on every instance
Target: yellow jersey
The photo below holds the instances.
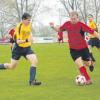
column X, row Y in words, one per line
column 23, row 32
column 93, row 26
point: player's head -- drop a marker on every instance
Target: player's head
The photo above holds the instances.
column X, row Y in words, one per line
column 26, row 18
column 90, row 17
column 74, row 17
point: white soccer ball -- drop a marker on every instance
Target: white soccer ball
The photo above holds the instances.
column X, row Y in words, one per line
column 80, row 80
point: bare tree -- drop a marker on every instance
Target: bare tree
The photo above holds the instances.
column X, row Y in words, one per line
column 69, row 5
column 97, row 8
column 12, row 10
column 81, row 6
column 4, row 13
column 27, row 6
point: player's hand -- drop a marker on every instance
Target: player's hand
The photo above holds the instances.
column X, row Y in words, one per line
column 51, row 24
column 29, row 40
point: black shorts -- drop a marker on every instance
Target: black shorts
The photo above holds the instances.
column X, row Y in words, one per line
column 84, row 53
column 94, row 42
column 17, row 52
column 11, row 40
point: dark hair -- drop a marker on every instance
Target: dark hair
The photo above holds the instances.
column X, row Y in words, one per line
column 26, row 16
column 90, row 15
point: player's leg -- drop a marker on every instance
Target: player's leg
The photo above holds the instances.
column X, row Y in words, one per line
column 14, row 61
column 11, row 43
column 10, row 65
column 33, row 60
column 91, row 54
column 89, row 64
column 91, row 43
column 76, row 56
column 83, row 70
column 62, row 40
column 98, row 44
column 59, row 40
column 87, row 59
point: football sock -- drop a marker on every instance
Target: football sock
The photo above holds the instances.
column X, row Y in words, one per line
column 2, row 66
column 32, row 73
column 91, row 67
column 84, row 72
column 91, row 55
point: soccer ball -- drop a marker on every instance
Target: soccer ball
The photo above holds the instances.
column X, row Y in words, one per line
column 80, row 80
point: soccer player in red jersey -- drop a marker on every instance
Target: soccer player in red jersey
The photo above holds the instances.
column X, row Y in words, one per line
column 77, row 44
column 60, row 37
column 11, row 34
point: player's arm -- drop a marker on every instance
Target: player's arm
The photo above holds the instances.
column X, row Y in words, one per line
column 21, row 41
column 30, row 39
column 89, row 30
column 96, row 34
column 56, row 28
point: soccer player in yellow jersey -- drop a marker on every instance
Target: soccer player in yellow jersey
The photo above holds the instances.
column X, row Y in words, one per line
column 93, row 41
column 22, row 47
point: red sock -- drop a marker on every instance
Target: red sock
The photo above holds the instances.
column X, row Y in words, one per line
column 84, row 72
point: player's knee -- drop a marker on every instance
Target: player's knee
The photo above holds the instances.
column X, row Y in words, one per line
column 12, row 66
column 34, row 62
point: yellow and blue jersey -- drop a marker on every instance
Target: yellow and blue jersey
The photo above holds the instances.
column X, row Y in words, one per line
column 23, row 32
column 93, row 26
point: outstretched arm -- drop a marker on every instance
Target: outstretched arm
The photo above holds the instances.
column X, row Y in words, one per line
column 96, row 34
column 56, row 28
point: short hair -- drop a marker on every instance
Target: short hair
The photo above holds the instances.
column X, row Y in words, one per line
column 26, row 16
column 74, row 13
column 90, row 15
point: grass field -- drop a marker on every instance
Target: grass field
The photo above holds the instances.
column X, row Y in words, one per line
column 57, row 72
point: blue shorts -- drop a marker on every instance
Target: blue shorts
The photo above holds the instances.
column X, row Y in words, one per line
column 84, row 53
column 17, row 52
column 94, row 42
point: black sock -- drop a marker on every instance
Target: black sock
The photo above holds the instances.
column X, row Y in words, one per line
column 32, row 74
column 91, row 55
column 91, row 68
column 2, row 66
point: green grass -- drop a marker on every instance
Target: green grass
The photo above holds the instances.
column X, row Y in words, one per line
column 57, row 72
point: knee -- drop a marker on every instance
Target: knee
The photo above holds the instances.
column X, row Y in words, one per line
column 34, row 62
column 11, row 66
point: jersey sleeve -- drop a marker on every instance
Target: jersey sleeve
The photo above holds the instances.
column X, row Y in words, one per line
column 85, row 28
column 63, row 27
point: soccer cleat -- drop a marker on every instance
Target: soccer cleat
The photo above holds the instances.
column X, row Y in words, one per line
column 91, row 68
column 35, row 82
column 89, row 82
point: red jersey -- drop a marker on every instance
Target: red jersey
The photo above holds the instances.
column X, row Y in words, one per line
column 11, row 32
column 76, row 34
column 60, row 35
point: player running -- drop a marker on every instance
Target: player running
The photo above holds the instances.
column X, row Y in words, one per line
column 22, row 47
column 93, row 41
column 77, row 44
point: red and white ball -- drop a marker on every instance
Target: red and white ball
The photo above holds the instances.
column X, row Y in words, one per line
column 80, row 80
